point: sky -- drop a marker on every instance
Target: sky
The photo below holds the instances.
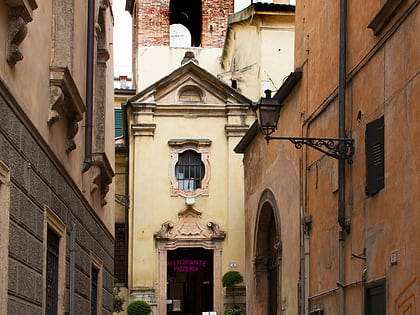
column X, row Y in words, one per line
column 122, row 39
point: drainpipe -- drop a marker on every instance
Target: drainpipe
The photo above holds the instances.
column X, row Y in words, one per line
column 345, row 224
column 89, row 85
column 126, row 188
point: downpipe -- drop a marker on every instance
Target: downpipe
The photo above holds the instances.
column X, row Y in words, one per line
column 344, row 223
column 87, row 162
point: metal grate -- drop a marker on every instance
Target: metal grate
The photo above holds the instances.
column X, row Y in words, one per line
column 53, row 242
column 94, row 292
column 120, row 260
column 189, row 170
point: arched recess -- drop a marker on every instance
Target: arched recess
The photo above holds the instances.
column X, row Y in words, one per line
column 189, row 14
column 267, row 256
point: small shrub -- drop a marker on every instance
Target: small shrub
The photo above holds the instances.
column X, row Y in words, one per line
column 139, row 308
column 236, row 310
column 231, row 278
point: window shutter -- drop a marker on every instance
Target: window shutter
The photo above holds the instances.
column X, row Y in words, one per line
column 118, row 123
column 374, row 141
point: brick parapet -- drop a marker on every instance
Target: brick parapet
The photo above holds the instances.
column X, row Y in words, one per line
column 152, row 18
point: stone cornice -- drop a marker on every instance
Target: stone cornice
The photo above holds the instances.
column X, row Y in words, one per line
column 145, row 129
column 236, row 130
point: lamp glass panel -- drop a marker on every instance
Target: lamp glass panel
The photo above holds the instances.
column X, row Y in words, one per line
column 268, row 118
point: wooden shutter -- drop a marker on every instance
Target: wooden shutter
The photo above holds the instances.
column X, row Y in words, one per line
column 374, row 141
column 118, row 123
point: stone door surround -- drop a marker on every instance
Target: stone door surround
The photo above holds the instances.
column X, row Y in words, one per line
column 189, row 232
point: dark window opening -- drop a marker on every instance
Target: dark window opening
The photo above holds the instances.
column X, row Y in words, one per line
column 53, row 241
column 187, row 13
column 94, row 291
column 375, row 156
column 189, row 171
column 375, row 297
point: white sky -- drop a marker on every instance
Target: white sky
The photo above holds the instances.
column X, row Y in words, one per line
column 122, row 39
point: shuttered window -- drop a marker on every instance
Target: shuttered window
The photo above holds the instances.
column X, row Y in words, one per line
column 118, row 123
column 374, row 140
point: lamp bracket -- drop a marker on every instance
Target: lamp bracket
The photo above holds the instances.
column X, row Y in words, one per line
column 338, row 148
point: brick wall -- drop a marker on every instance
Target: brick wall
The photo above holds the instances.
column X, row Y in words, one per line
column 153, row 22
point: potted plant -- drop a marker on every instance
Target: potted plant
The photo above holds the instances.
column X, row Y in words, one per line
column 229, row 280
column 139, row 308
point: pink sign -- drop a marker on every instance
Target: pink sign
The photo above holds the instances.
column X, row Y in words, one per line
column 187, row 265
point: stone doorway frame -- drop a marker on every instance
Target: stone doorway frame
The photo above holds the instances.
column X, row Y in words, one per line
column 267, row 209
column 189, row 232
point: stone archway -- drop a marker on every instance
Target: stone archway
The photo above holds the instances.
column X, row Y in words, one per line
column 189, row 232
column 267, row 257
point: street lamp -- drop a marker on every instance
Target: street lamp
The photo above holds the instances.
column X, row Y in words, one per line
column 268, row 114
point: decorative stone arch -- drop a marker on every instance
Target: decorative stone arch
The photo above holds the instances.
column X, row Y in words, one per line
column 267, row 256
column 190, row 94
column 189, row 232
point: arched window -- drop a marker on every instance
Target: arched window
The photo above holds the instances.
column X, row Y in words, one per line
column 189, row 169
column 180, row 36
column 187, row 13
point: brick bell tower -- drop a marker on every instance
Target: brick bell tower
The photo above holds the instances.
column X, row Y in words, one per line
column 163, row 28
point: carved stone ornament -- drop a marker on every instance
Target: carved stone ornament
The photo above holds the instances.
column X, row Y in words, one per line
column 20, row 14
column 102, row 175
column 65, row 99
column 189, row 226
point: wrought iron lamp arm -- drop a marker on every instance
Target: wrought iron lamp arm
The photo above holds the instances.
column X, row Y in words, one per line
column 338, row 148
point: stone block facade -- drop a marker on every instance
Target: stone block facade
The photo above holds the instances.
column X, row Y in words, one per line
column 38, row 182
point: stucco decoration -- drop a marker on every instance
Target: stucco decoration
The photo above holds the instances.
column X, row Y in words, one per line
column 20, row 14
column 189, row 226
column 65, row 99
column 102, row 175
column 178, row 146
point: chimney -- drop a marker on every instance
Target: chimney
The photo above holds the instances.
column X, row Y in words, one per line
column 123, row 82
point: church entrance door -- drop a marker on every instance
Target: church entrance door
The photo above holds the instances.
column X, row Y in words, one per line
column 190, row 281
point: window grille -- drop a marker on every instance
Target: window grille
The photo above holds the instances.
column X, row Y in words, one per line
column 52, row 273
column 120, row 265
column 94, row 292
column 189, row 170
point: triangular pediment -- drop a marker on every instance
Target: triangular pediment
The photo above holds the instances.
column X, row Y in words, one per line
column 189, row 226
column 167, row 90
